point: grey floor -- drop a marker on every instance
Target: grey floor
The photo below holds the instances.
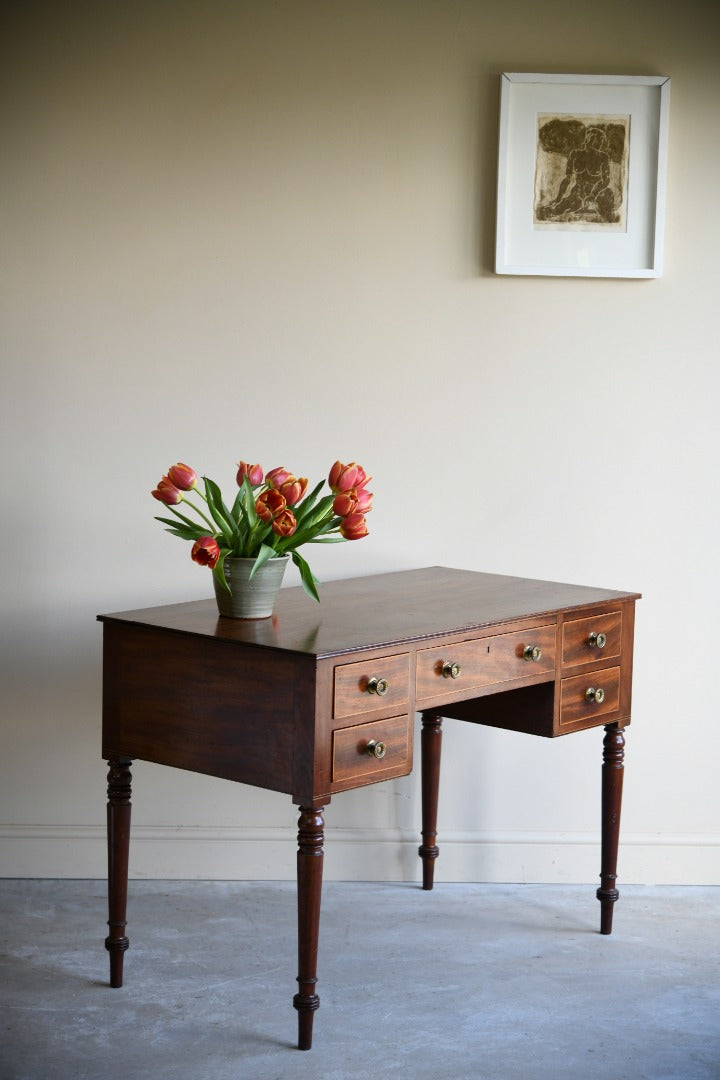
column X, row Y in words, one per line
column 469, row 981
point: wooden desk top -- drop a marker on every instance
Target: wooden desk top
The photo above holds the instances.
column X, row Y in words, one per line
column 379, row 610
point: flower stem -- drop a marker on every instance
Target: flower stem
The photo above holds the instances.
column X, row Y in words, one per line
column 213, row 527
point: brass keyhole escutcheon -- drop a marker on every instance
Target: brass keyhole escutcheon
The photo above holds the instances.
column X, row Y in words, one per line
column 450, row 670
column 532, row 652
column 378, row 686
column 597, row 641
column 598, row 696
column 376, row 749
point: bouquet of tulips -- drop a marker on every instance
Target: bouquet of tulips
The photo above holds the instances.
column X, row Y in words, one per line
column 271, row 515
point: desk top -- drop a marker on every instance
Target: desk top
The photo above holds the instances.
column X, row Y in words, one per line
column 378, row 610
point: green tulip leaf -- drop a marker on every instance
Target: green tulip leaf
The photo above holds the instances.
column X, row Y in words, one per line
column 309, row 581
column 219, row 571
column 185, row 532
column 303, row 508
column 248, row 501
column 219, row 512
column 264, row 554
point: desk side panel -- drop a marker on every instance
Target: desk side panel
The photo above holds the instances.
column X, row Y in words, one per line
column 213, row 707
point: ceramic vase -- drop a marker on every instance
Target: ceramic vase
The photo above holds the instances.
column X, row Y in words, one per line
column 250, row 598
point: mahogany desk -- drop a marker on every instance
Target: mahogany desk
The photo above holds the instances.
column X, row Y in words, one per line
column 321, row 698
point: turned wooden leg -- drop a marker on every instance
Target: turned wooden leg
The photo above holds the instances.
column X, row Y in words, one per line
column 309, row 888
column 430, row 747
column 118, row 840
column 612, row 784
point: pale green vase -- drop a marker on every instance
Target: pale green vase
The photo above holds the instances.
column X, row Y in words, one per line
column 250, row 599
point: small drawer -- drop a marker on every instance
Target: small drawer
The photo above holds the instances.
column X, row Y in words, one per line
column 579, row 706
column 373, row 751
column 370, row 685
column 595, row 639
column 486, row 661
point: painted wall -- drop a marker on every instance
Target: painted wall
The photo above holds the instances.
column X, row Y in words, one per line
column 266, row 231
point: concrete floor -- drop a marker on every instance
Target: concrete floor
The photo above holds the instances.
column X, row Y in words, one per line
column 469, row 981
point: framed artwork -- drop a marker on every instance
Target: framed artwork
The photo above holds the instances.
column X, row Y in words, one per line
column 581, row 175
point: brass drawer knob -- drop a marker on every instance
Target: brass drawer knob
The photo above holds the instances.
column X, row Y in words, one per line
column 597, row 641
column 376, row 749
column 378, row 686
column 450, row 670
column 598, row 696
column 532, row 652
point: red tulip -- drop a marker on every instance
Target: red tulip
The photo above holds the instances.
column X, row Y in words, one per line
column 293, row 489
column 364, row 499
column 206, row 551
column 167, row 493
column 343, row 477
column 269, row 504
column 353, row 527
column 182, row 476
column 278, row 476
column 345, row 503
column 362, row 477
column 254, row 474
column 285, row 523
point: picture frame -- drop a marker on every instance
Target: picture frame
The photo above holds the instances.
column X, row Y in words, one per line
column 581, row 175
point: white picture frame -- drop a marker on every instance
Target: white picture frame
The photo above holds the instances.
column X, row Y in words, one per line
column 581, row 175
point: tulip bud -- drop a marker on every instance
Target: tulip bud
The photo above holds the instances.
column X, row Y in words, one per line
column 269, row 504
column 167, row 493
column 254, row 474
column 343, row 477
column 182, row 476
column 345, row 503
column 278, row 476
column 206, row 551
column 285, row 523
column 353, row 527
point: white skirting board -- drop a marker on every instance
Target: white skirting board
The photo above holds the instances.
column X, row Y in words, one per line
column 257, row 854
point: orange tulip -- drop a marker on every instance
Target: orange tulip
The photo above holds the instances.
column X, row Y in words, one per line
column 285, row 523
column 353, row 527
column 293, row 489
column 344, row 503
column 269, row 504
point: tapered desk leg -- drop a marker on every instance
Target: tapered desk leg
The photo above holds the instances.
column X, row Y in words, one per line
column 118, row 841
column 612, row 785
column 309, row 888
column 430, row 748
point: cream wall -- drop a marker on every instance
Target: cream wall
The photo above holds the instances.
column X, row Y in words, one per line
column 265, row 230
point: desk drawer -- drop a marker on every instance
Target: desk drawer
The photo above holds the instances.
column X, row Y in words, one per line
column 577, row 707
column 370, row 685
column 377, row 750
column 597, row 639
column 469, row 665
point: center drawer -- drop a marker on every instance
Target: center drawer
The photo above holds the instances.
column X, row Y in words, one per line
column 469, row 665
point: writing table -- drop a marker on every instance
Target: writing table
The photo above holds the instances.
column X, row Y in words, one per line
column 320, row 699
